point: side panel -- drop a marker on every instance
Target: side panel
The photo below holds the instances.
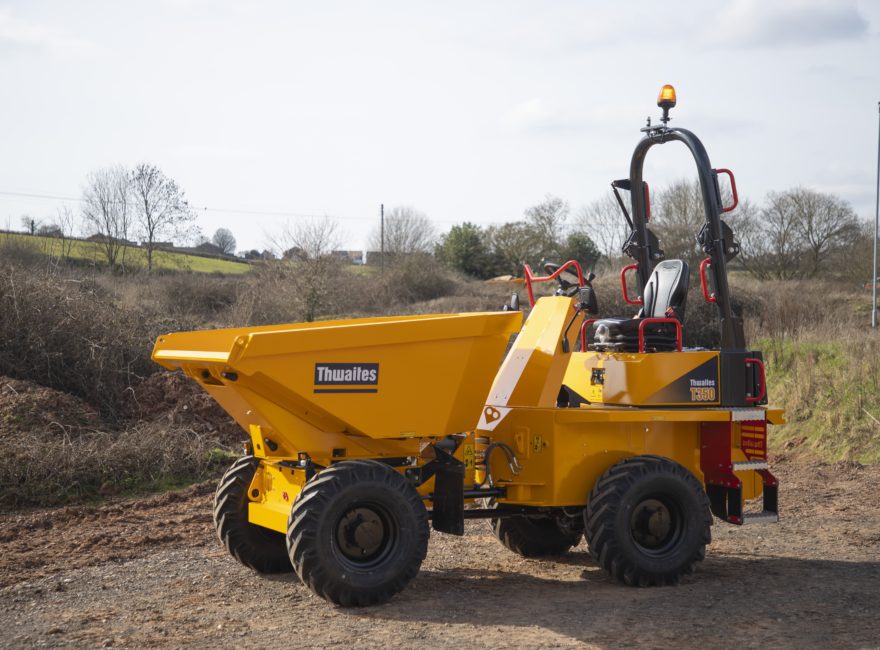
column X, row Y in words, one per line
column 655, row 379
column 562, row 457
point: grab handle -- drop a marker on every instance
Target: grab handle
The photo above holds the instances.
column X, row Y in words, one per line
column 708, row 297
column 762, row 393
column 626, row 298
column 732, row 187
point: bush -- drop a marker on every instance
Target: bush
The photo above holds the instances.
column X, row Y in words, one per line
column 202, row 295
column 57, row 465
column 70, row 334
column 416, row 278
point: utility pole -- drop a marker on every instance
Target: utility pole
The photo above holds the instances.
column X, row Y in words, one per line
column 382, row 235
column 876, row 226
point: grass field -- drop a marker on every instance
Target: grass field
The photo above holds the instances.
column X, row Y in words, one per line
column 131, row 256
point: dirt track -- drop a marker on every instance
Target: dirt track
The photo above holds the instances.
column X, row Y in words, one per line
column 150, row 573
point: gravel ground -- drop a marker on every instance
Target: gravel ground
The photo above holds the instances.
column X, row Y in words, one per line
column 150, row 573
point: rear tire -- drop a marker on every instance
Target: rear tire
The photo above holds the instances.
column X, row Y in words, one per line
column 256, row 547
column 534, row 537
column 358, row 533
column 648, row 521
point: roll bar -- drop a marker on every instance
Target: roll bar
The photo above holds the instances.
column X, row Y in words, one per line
column 643, row 246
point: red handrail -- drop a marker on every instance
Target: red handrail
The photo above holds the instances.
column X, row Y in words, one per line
column 626, row 298
column 651, row 321
column 584, row 329
column 531, row 277
column 763, row 393
column 704, row 283
column 732, row 187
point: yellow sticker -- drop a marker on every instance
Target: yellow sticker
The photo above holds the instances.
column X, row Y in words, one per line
column 537, row 443
column 469, row 456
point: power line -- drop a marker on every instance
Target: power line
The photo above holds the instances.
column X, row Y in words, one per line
column 243, row 211
column 42, row 196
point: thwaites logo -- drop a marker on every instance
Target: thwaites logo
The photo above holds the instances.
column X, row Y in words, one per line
column 703, row 390
column 346, row 377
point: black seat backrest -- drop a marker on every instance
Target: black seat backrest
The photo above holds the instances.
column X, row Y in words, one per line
column 667, row 288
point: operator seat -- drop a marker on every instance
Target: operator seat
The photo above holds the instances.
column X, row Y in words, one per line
column 664, row 296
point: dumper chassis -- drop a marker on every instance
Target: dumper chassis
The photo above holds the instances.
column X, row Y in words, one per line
column 365, row 434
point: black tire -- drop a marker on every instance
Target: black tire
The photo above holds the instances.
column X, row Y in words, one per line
column 258, row 548
column 648, row 521
column 534, row 537
column 357, row 533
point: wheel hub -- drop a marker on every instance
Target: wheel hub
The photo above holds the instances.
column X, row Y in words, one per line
column 652, row 524
column 361, row 533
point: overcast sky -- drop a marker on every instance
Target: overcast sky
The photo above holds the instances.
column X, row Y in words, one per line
column 465, row 110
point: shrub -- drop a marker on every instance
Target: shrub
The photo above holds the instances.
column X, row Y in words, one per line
column 61, row 465
column 70, row 334
column 416, row 278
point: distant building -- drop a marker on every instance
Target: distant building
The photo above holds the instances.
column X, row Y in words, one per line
column 101, row 238
column 352, row 257
column 374, row 258
column 209, row 248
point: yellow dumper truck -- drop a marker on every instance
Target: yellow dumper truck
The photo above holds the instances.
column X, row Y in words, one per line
column 364, row 434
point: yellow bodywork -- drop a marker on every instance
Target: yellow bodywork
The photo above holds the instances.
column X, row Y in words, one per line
column 563, row 451
column 433, row 374
column 310, row 389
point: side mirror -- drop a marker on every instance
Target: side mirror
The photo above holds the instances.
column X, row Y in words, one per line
column 589, row 302
column 513, row 305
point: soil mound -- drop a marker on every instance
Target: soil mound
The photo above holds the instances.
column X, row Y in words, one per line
column 173, row 398
column 27, row 406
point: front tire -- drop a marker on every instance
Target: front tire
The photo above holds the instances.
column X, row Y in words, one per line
column 648, row 521
column 357, row 533
column 256, row 547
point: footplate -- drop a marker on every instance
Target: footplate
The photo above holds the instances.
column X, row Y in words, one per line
column 723, row 486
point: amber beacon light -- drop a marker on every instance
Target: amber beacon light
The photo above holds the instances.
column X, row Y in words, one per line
column 666, row 100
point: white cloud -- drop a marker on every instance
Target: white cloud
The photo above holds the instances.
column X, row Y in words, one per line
column 527, row 115
column 206, row 151
column 782, row 23
column 538, row 116
column 19, row 35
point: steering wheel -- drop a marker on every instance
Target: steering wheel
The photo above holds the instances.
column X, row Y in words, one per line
column 566, row 288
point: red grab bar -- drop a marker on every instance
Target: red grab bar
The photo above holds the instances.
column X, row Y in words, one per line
column 732, row 187
column 626, row 298
column 531, row 277
column 761, row 373
column 584, row 329
column 651, row 321
column 708, row 297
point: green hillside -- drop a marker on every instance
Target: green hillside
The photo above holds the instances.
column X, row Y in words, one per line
column 133, row 256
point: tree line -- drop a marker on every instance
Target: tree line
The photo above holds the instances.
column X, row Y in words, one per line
column 119, row 204
column 795, row 233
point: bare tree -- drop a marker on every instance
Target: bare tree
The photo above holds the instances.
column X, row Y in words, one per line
column 604, row 223
column 224, row 240
column 512, row 245
column 107, row 210
column 406, row 231
column 308, row 246
column 547, row 221
column 30, row 224
column 677, row 214
column 160, row 206
column 794, row 234
column 825, row 222
column 66, row 218
column 315, row 238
